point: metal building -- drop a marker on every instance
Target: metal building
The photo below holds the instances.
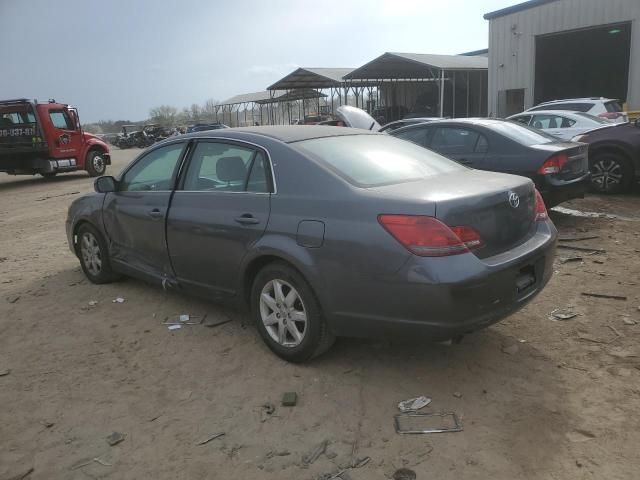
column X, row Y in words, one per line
column 551, row 49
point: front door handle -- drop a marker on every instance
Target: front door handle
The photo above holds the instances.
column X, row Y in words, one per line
column 155, row 213
column 247, row 219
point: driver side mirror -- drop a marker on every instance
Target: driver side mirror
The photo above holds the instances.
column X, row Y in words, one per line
column 106, row 184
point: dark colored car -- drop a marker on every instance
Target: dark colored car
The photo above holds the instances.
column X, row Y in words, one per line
column 323, row 231
column 203, row 127
column 614, row 156
column 559, row 169
column 405, row 122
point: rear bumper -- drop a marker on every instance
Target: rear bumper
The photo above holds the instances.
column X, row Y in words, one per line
column 440, row 298
column 556, row 191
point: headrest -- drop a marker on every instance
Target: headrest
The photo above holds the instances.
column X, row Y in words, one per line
column 231, row 169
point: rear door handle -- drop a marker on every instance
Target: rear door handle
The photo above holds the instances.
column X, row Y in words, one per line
column 247, row 219
column 155, row 213
column 465, row 161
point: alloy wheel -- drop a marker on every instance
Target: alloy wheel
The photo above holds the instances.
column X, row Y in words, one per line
column 98, row 163
column 283, row 313
column 91, row 254
column 606, row 174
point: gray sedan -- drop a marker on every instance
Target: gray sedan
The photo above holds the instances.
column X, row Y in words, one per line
column 322, row 231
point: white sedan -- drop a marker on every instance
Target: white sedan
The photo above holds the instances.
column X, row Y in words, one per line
column 560, row 123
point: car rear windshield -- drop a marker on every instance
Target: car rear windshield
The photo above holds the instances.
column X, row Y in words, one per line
column 375, row 160
column 613, row 106
column 521, row 133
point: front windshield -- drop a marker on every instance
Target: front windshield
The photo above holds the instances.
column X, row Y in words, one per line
column 374, row 160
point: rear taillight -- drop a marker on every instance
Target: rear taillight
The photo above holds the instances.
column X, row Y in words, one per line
column 553, row 164
column 429, row 237
column 541, row 209
column 611, row 115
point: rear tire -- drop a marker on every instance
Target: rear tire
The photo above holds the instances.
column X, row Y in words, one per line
column 94, row 255
column 95, row 163
column 288, row 315
column 610, row 173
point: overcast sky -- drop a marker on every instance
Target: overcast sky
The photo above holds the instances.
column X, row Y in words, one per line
column 116, row 59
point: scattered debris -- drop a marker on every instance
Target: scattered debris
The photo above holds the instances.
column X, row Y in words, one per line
column 577, row 436
column 315, row 453
column 47, row 424
column 446, row 422
column 281, row 453
column 208, row 439
column 414, row 404
column 93, row 303
column 13, row 298
column 174, row 327
column 404, row 474
column 42, row 199
column 89, row 462
column 583, row 249
column 184, row 319
column 213, row 323
column 4, row 373
column 118, row 300
column 599, row 262
column 457, row 394
column 580, row 213
column 361, row 463
column 22, row 476
column 115, row 438
column 289, row 399
column 564, row 260
column 563, row 314
column 268, row 409
column 628, row 321
column 511, row 349
column 602, row 295
column 578, row 239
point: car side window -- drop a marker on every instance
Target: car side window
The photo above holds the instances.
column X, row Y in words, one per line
column 415, row 135
column 60, row 119
column 566, row 122
column 524, row 119
column 224, row 167
column 153, row 172
column 454, row 140
column 544, row 122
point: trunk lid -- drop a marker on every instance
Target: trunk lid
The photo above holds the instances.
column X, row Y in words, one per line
column 500, row 207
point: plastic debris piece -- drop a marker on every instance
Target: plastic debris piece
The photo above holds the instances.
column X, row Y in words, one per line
column 315, row 453
column 562, row 314
column 602, row 295
column 115, row 438
column 457, row 394
column 208, row 439
column 289, row 399
column 5, row 372
column 570, row 259
column 404, row 474
column 174, row 327
column 414, row 404
column 93, row 303
column 184, row 318
column 118, row 300
column 416, row 423
column 628, row 321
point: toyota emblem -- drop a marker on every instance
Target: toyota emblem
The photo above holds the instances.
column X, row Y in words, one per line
column 514, row 199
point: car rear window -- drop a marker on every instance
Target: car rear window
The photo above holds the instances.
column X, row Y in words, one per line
column 375, row 160
column 613, row 106
column 521, row 133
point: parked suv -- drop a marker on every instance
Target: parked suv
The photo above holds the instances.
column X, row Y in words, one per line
column 47, row 138
column 597, row 106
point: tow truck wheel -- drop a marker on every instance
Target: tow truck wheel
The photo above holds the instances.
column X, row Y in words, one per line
column 96, row 165
column 49, row 174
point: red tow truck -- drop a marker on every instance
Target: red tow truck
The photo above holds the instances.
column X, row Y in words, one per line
column 47, row 139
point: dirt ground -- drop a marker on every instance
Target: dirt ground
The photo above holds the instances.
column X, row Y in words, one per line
column 538, row 399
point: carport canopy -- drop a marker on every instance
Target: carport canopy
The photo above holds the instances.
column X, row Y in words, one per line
column 398, row 66
column 312, row 78
column 262, row 98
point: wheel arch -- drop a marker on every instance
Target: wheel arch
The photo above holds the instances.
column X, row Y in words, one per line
column 600, row 148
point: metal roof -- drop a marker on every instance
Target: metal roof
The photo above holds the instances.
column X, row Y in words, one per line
column 270, row 97
column 516, row 8
column 415, row 65
column 311, row 78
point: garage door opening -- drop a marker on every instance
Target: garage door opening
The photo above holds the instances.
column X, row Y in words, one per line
column 593, row 62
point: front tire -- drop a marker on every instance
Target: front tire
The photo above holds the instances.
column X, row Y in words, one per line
column 288, row 315
column 610, row 173
column 95, row 164
column 94, row 255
